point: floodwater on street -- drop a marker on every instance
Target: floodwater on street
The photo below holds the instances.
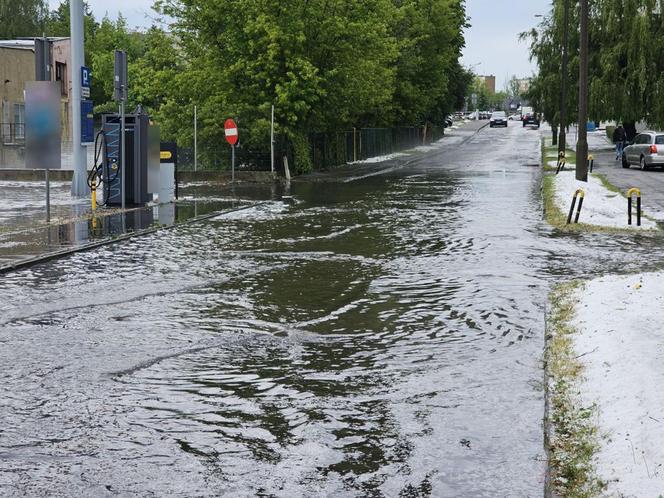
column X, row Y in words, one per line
column 378, row 336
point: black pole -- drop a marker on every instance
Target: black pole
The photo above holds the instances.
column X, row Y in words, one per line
column 582, row 143
column 563, row 80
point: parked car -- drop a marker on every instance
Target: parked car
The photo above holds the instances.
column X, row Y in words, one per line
column 498, row 118
column 646, row 150
column 529, row 117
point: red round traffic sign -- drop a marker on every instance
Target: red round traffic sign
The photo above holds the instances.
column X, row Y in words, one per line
column 230, row 128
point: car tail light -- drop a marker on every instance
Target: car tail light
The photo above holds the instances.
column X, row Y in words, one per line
column 653, row 149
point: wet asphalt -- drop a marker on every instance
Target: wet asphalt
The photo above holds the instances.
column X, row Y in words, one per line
column 378, row 334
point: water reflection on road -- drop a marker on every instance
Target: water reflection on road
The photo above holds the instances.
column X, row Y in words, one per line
column 377, row 337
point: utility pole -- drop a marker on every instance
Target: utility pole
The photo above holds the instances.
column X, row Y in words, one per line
column 563, row 80
column 582, row 143
column 79, row 185
column 272, row 141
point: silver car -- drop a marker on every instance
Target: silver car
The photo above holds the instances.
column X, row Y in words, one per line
column 646, row 150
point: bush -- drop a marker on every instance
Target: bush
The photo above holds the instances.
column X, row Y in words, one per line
column 302, row 154
column 609, row 131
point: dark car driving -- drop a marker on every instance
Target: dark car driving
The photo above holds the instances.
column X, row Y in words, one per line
column 498, row 118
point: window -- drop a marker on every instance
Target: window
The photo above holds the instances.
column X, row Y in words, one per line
column 6, row 127
column 61, row 76
column 19, row 121
column 659, row 139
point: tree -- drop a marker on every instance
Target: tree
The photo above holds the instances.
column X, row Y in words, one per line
column 545, row 49
column 108, row 36
column 512, row 87
column 58, row 22
column 154, row 72
column 625, row 69
column 627, row 82
column 321, row 63
column 430, row 40
column 25, row 18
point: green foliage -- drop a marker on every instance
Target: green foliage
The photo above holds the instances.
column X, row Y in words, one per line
column 428, row 34
column 301, row 154
column 625, row 69
column 109, row 36
column 546, row 49
column 573, row 438
column 101, row 39
column 326, row 65
column 22, row 18
column 512, row 87
column 609, row 131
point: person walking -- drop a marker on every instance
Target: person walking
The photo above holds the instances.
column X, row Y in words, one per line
column 619, row 139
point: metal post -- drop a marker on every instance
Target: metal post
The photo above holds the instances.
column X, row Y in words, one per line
column 123, row 177
column 232, row 163
column 272, row 142
column 354, row 145
column 582, row 143
column 195, row 139
column 48, row 197
column 562, row 137
column 79, row 186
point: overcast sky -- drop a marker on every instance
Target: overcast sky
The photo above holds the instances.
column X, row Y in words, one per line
column 492, row 45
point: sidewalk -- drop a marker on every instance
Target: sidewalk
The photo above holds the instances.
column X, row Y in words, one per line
column 618, row 321
column 604, row 352
column 25, row 237
column 651, row 182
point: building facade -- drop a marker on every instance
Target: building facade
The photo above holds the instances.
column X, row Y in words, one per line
column 17, row 67
column 523, row 85
column 489, row 81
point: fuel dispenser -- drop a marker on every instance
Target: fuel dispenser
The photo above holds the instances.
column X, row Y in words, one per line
column 139, row 136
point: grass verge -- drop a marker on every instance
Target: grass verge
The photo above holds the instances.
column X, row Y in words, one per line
column 572, row 439
column 607, row 184
column 550, row 153
column 558, row 219
column 611, row 187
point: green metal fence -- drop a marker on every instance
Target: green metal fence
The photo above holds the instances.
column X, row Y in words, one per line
column 327, row 149
column 334, row 149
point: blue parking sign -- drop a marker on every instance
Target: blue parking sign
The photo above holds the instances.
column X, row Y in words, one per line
column 85, row 77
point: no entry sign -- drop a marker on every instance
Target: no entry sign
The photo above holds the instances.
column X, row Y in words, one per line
column 231, row 131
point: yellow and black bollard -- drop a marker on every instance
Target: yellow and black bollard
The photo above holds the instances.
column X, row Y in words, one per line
column 591, row 162
column 580, row 194
column 561, row 162
column 630, row 193
column 93, row 190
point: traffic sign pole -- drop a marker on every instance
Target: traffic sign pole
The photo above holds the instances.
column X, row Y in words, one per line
column 230, row 130
column 233, row 164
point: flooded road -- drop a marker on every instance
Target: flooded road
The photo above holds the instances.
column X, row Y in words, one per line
column 380, row 336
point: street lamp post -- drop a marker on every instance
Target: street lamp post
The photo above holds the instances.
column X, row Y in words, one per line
column 563, row 80
column 582, row 142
